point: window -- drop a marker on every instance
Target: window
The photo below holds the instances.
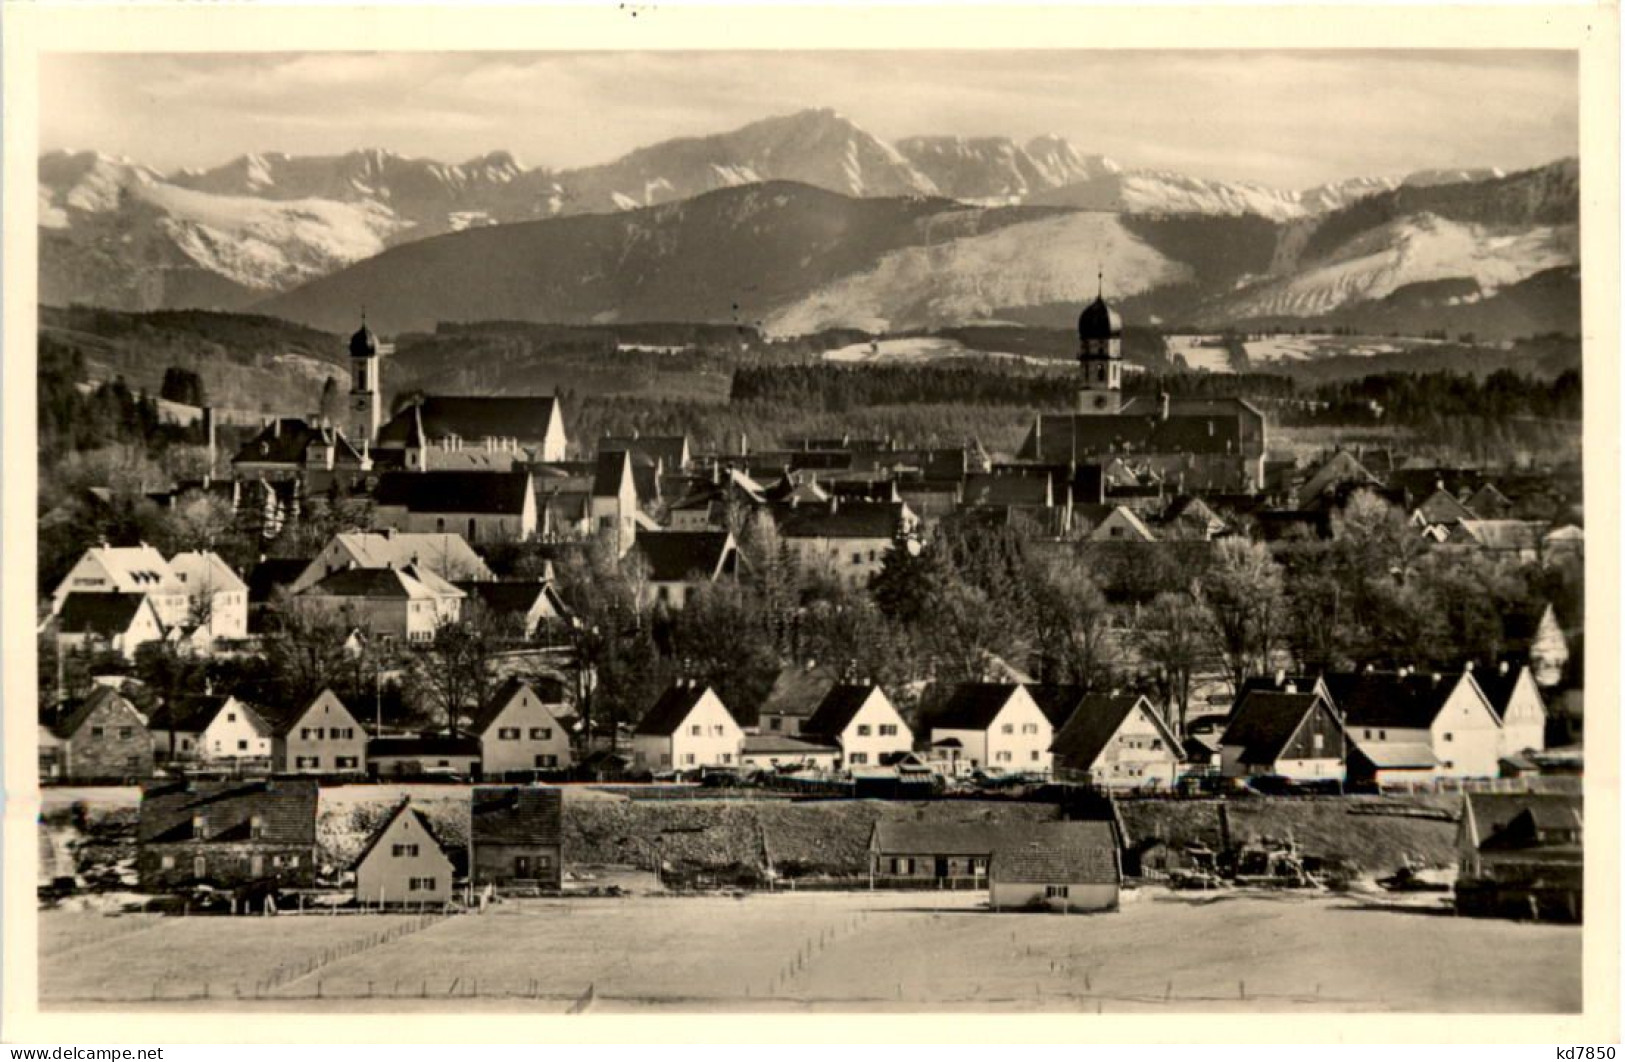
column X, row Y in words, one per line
column 1055, row 892
column 96, row 731
column 420, row 884
column 545, row 862
column 242, row 746
column 718, row 730
column 696, row 730
column 1382, row 735
column 344, row 762
column 304, row 733
column 859, row 758
column 508, row 733
column 167, row 863
column 1004, row 757
column 888, row 729
column 1035, row 755
column 401, row 851
column 546, row 760
column 727, row 757
column 688, row 758
column 902, row 866
column 665, row 759
column 200, row 866
column 126, row 732
column 1320, row 742
column 1449, row 736
column 775, row 723
column 863, row 730
column 1029, row 728
column 231, row 717
column 1008, row 728
column 663, row 593
column 857, row 558
column 541, row 733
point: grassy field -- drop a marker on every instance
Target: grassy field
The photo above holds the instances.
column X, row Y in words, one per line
column 1245, row 951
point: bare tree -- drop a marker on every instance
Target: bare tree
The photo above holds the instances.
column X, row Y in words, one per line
column 1169, row 636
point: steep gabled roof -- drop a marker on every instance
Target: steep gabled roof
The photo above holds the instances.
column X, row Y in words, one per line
column 611, row 472
column 513, row 598
column 439, row 551
column 974, row 705
column 68, row 723
column 1056, row 700
column 1489, row 814
column 104, row 615
column 1498, row 687
column 671, row 709
column 499, row 701
column 838, row 707
column 1389, row 699
column 488, row 493
column 1097, row 719
column 522, row 815
column 286, row 808
column 201, row 571
column 405, row 807
column 285, row 725
column 674, row 556
column 1262, row 723
column 471, row 417
column 999, row 489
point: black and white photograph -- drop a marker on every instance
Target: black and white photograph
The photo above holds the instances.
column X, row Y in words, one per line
column 1059, row 529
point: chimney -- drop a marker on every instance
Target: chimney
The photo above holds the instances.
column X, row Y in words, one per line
column 1504, row 667
column 1163, row 404
column 276, row 427
column 1280, row 677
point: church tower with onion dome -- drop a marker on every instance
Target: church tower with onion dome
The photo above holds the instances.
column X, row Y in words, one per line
column 1100, row 353
column 366, row 389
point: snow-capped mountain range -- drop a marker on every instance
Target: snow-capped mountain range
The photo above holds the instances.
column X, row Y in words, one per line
column 118, row 233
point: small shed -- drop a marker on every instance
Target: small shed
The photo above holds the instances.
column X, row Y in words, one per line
column 1075, row 870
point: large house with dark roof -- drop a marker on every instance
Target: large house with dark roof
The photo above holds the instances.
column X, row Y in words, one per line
column 1393, row 712
column 848, row 540
column 680, row 562
column 688, row 728
column 212, row 729
column 446, row 554
column 227, row 834
column 1288, row 735
column 995, row 727
column 531, row 424
column 480, row 506
column 408, row 604
column 1116, row 742
column 516, row 837
column 126, row 570
column 860, row 720
column 293, row 450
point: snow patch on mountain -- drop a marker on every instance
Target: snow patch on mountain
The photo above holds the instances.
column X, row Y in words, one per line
column 970, row 278
column 269, row 245
column 1417, row 248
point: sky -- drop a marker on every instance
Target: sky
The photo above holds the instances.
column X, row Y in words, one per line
column 1290, row 119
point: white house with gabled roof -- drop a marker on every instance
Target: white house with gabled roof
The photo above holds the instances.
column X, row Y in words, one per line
column 126, row 570
column 217, row 597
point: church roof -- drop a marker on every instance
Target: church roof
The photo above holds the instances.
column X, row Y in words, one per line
column 1099, row 321
column 472, row 417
